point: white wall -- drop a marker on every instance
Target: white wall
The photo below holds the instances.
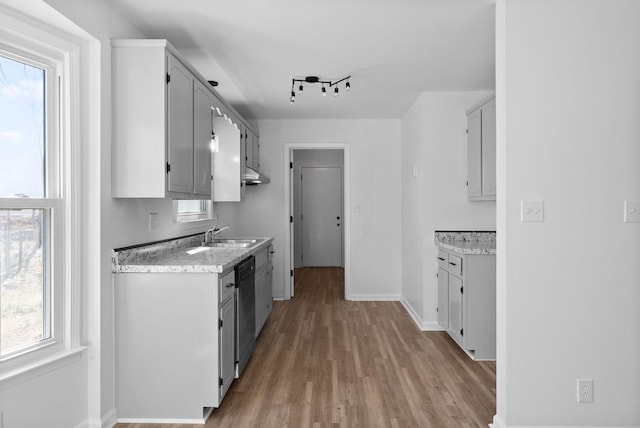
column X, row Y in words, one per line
column 375, row 197
column 434, row 141
column 568, row 96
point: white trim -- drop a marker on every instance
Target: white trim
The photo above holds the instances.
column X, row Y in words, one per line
column 287, row 189
column 107, row 421
column 163, row 421
column 422, row 325
column 497, row 422
column 375, row 297
column 40, row 367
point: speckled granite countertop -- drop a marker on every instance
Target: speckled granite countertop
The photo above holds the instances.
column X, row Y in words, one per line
column 467, row 242
column 182, row 255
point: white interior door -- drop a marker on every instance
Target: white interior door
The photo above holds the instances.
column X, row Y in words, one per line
column 322, row 216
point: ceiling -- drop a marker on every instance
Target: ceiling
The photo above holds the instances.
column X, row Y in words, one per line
column 393, row 49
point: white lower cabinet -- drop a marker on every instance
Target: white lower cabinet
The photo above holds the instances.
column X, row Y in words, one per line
column 467, row 301
column 174, row 344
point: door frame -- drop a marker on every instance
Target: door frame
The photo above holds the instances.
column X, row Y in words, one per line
column 288, row 209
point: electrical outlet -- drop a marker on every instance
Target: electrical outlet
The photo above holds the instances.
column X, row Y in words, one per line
column 153, row 224
column 585, row 390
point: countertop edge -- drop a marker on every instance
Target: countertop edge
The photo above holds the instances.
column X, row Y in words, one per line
column 242, row 254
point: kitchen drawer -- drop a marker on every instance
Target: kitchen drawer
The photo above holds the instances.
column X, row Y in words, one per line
column 443, row 259
column 262, row 258
column 455, row 265
column 227, row 286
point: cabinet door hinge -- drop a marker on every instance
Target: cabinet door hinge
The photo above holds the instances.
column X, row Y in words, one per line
column 220, row 323
column 467, row 182
column 220, row 381
column 466, row 131
column 462, row 332
column 291, row 272
column 437, row 309
column 168, row 167
column 168, row 78
column 290, row 165
column 290, row 219
column 461, row 290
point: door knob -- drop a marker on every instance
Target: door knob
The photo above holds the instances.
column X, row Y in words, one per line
column 338, row 218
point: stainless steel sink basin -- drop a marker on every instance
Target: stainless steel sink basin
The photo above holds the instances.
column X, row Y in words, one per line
column 232, row 243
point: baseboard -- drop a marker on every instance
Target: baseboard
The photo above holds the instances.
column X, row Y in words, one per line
column 374, row 297
column 499, row 423
column 201, row 421
column 422, row 325
column 107, row 421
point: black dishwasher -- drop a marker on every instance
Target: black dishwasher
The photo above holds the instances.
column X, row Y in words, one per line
column 245, row 312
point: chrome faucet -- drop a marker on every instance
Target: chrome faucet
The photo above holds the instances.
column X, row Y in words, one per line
column 212, row 232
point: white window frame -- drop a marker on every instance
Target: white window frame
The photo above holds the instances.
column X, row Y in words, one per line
column 59, row 56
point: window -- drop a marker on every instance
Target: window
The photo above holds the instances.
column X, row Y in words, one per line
column 192, row 210
column 37, row 222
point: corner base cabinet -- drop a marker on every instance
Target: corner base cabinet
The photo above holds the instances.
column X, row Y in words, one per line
column 467, row 301
column 174, row 345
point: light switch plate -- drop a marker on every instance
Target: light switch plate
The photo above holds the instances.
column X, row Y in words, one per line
column 153, row 222
column 632, row 211
column 531, row 211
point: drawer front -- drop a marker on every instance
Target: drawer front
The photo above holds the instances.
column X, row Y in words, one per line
column 443, row 259
column 455, row 264
column 227, row 286
column 262, row 258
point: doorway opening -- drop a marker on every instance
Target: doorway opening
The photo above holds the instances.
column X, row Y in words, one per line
column 317, row 201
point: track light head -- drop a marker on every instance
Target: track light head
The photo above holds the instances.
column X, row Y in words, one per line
column 336, row 92
column 348, row 86
column 324, row 91
column 300, row 88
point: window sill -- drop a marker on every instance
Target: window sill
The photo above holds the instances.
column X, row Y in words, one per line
column 39, row 368
column 193, row 224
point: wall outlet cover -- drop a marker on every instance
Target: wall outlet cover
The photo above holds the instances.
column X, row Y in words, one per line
column 585, row 390
column 632, row 211
column 531, row 211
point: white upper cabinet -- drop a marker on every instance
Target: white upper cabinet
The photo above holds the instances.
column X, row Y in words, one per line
column 180, row 128
column 481, row 152
column 164, row 114
column 203, row 100
column 229, row 160
column 252, row 148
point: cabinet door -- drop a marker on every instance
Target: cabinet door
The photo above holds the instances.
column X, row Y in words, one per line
column 489, row 149
column 227, row 360
column 474, row 153
column 443, row 298
column 202, row 124
column 268, row 292
column 260, row 281
column 455, row 308
column 180, row 124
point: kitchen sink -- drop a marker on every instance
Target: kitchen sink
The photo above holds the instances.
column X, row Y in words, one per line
column 232, row 243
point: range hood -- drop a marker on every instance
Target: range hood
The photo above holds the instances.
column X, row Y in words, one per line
column 252, row 177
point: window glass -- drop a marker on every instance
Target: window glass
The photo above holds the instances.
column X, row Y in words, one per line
column 22, row 129
column 25, row 285
column 24, row 292
column 191, row 207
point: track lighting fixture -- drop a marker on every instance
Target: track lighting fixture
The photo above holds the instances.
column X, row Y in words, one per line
column 315, row 79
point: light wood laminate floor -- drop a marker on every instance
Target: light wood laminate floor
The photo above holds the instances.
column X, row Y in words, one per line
column 321, row 361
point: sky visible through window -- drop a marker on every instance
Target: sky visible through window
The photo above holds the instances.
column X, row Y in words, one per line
column 22, row 117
